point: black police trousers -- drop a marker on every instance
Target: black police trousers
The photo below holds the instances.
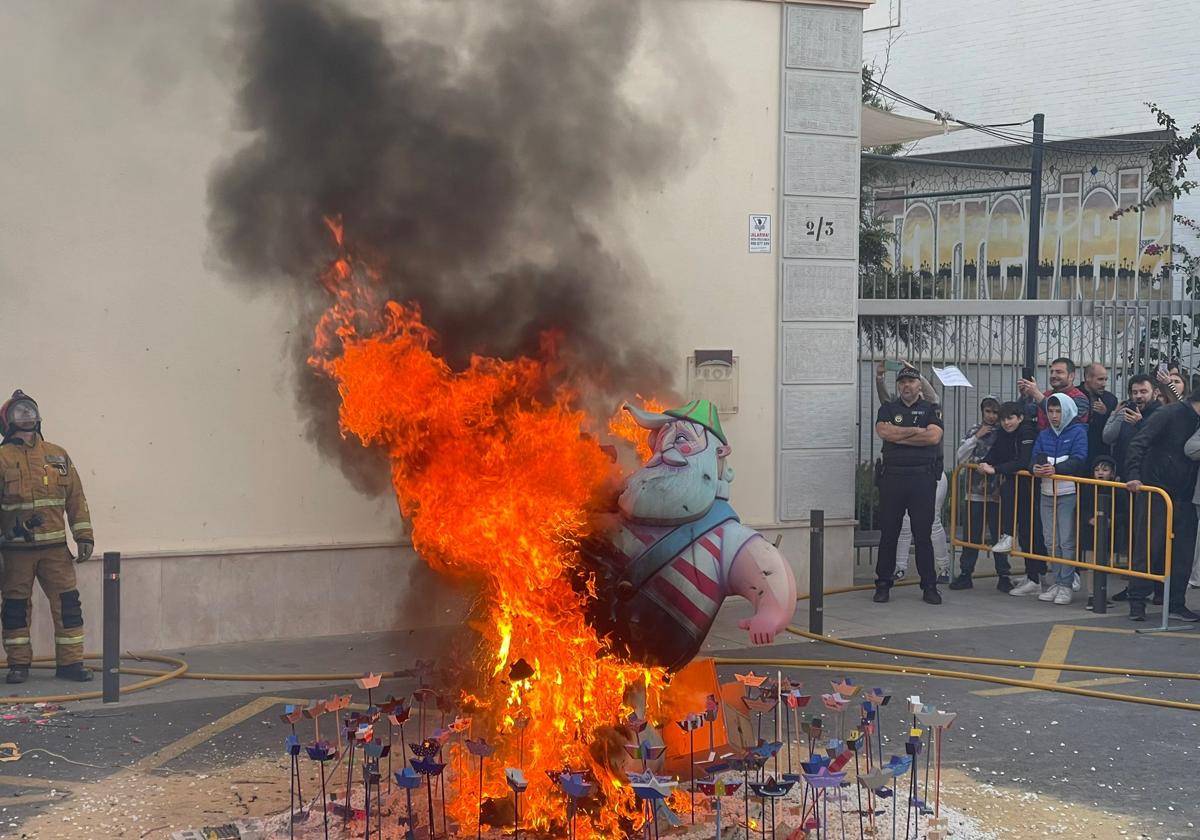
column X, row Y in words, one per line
column 900, row 492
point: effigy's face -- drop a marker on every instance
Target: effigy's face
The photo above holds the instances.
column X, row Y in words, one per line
column 679, row 482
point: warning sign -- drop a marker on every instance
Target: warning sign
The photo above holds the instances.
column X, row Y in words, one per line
column 760, row 234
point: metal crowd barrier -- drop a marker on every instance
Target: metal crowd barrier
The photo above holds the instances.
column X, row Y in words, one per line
column 1108, row 554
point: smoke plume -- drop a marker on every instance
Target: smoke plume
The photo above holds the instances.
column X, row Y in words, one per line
column 470, row 149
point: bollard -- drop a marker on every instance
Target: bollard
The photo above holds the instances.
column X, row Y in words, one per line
column 816, row 572
column 1103, row 556
column 112, row 626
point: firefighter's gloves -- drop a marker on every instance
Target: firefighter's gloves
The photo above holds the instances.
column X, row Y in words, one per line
column 85, row 550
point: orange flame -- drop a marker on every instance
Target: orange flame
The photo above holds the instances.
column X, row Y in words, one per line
column 491, row 467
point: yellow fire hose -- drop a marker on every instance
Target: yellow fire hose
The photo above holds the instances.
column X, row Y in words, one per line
column 157, row 678
column 180, row 670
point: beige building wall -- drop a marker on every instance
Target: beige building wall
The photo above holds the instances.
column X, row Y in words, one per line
column 172, row 389
column 693, row 236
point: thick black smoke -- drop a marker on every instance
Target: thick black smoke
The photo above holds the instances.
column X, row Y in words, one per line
column 469, row 158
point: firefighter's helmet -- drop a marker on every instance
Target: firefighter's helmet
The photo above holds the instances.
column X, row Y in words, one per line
column 20, row 413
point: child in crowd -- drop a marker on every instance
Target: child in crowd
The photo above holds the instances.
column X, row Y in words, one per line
column 1059, row 450
column 1012, row 452
column 983, row 497
column 1103, row 516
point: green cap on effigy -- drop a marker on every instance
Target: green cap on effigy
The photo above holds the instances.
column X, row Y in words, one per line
column 702, row 412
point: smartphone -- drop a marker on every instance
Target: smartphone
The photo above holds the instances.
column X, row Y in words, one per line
column 1162, row 368
column 1027, row 373
column 1042, row 460
column 892, row 365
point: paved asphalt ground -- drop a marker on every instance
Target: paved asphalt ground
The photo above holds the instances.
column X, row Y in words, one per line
column 1130, row 759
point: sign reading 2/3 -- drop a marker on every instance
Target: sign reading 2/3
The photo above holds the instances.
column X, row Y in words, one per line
column 821, row 227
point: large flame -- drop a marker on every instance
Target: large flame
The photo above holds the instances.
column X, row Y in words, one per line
column 492, row 468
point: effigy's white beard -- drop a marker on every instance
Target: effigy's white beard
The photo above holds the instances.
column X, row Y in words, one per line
column 665, row 494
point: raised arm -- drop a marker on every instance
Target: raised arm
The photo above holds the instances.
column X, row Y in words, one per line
column 1170, row 395
column 1112, row 427
column 927, row 391
column 880, row 384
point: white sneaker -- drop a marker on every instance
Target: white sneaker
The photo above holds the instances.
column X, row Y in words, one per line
column 1063, row 596
column 1052, row 593
column 1074, row 583
column 1026, row 587
column 1003, row 546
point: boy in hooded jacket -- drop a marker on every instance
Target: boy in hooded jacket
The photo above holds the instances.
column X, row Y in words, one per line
column 1060, row 450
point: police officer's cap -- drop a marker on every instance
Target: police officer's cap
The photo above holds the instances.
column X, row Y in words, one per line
column 908, row 372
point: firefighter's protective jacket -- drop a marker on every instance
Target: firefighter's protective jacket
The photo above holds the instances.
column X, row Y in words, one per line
column 40, row 479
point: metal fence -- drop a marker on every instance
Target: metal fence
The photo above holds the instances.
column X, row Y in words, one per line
column 1111, row 528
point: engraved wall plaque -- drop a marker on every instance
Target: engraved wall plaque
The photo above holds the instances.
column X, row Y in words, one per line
column 817, row 417
column 822, row 103
column 820, row 354
column 824, row 38
column 815, row 228
column 819, row 291
column 815, row 165
column 818, row 479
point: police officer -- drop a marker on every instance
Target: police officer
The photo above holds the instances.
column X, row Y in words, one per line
column 41, row 494
column 911, row 430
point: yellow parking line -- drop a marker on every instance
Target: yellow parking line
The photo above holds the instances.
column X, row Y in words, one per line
column 157, row 758
column 194, row 739
column 1058, row 645
column 1054, row 652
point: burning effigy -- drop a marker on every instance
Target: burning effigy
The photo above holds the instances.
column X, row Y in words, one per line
column 471, row 304
column 506, row 485
column 666, row 562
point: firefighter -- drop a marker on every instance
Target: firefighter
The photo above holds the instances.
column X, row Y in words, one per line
column 42, row 493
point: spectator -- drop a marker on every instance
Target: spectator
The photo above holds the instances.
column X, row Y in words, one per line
column 911, row 430
column 983, row 497
column 1177, row 385
column 1122, row 424
column 941, row 546
column 1103, row 516
column 1102, row 404
column 1062, row 381
column 1156, row 457
column 1060, row 450
column 1192, row 450
column 1011, row 453
column 1170, row 384
column 1120, row 430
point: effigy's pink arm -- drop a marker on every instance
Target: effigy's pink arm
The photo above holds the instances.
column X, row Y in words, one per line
column 762, row 576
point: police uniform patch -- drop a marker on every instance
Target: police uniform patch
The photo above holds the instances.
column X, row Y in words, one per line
column 899, row 419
